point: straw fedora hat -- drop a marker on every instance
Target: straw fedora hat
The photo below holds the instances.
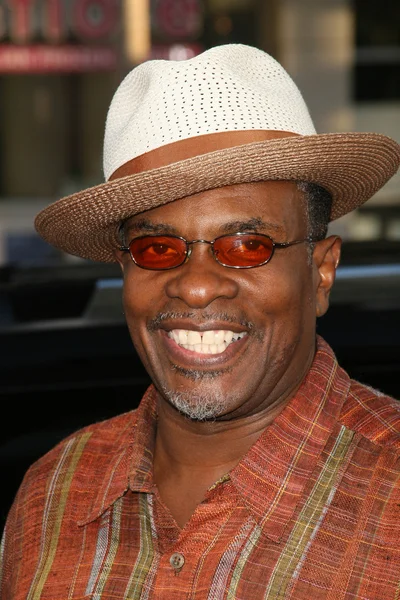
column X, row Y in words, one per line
column 230, row 115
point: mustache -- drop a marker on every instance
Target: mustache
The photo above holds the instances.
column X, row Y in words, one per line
column 200, row 317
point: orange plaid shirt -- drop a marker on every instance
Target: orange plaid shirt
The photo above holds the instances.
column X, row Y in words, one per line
column 311, row 511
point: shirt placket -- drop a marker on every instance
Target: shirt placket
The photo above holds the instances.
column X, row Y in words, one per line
column 182, row 553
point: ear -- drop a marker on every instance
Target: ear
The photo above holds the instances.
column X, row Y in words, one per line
column 326, row 257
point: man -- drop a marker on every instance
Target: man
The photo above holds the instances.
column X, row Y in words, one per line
column 254, row 467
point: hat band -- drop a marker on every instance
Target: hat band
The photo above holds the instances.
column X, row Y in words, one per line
column 190, row 147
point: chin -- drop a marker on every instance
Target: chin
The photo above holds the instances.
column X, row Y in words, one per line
column 201, row 403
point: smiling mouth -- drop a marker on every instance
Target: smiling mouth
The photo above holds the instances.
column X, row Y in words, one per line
column 205, row 342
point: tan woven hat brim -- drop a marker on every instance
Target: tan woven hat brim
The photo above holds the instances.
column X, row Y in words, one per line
column 351, row 166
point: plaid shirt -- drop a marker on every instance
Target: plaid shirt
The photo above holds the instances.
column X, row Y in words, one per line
column 311, row 511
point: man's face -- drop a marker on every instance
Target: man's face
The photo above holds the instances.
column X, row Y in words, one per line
column 268, row 312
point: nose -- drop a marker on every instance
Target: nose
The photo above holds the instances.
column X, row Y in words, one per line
column 201, row 280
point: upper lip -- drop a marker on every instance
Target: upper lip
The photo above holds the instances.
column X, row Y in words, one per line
column 207, row 326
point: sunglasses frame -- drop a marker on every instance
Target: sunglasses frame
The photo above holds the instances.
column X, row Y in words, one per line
column 188, row 252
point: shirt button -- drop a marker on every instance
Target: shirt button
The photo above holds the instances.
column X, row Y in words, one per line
column 177, row 561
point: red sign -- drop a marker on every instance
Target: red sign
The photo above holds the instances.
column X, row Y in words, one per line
column 179, row 18
column 95, row 19
column 24, row 21
column 57, row 59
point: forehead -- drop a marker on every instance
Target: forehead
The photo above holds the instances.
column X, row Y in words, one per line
column 276, row 206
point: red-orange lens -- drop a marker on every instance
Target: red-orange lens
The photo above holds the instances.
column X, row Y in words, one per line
column 158, row 251
column 249, row 250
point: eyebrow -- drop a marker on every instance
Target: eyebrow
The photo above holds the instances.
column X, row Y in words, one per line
column 146, row 226
column 253, row 224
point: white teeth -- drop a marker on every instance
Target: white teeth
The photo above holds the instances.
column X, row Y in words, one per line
column 205, row 342
column 183, row 336
column 238, row 336
column 219, row 337
column 228, row 335
column 208, row 337
column 194, row 337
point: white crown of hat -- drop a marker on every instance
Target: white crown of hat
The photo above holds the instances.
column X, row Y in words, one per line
column 227, row 88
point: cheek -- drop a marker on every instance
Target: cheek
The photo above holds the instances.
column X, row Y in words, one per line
column 138, row 298
column 282, row 292
column 140, row 302
column 140, row 294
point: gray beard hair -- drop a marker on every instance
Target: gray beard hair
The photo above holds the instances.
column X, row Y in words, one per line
column 206, row 406
column 198, row 405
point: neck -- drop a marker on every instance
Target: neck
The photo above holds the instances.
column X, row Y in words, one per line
column 212, row 447
column 189, row 456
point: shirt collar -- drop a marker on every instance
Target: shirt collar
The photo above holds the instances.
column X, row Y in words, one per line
column 271, row 476
column 130, row 462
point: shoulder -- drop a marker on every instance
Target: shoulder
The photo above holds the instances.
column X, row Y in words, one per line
column 96, row 439
column 59, row 489
column 84, row 456
column 372, row 414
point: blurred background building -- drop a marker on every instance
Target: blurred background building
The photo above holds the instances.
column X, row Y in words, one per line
column 61, row 60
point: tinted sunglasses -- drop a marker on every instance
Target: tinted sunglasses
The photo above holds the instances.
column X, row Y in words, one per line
column 236, row 251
